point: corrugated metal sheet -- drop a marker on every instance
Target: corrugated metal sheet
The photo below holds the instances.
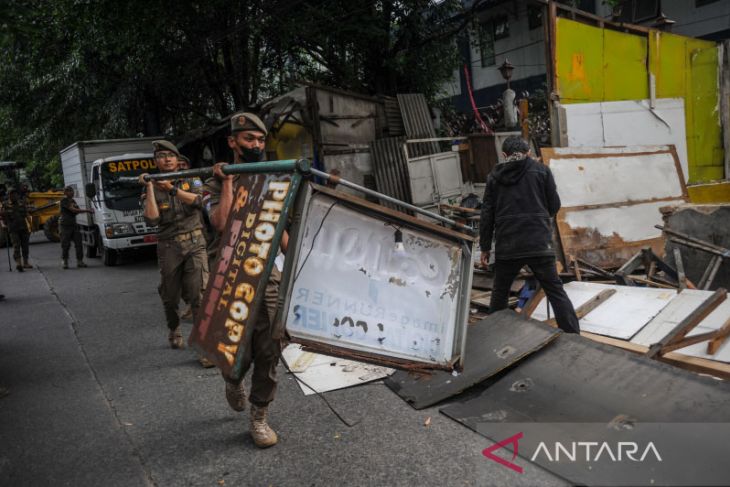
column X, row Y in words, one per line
column 417, row 123
column 391, row 170
column 393, row 119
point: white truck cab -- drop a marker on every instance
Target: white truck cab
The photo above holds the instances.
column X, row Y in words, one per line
column 116, row 224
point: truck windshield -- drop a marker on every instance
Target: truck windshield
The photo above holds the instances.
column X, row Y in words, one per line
column 124, row 196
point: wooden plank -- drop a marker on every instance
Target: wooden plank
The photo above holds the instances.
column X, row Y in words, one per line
column 576, row 268
column 622, row 275
column 713, row 272
column 695, row 364
column 594, row 268
column 717, row 342
column 688, row 323
column 709, row 271
column 687, row 341
column 681, row 276
column 651, row 283
column 589, row 305
column 533, row 302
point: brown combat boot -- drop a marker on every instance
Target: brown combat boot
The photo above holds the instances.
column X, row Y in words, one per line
column 18, row 265
column 176, row 339
column 236, row 396
column 262, row 434
column 207, row 364
column 26, row 264
column 65, row 264
column 81, row 263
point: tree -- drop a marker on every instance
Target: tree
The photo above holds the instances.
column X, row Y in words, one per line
column 88, row 69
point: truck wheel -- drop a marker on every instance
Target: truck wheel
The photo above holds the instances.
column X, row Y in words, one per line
column 50, row 229
column 109, row 256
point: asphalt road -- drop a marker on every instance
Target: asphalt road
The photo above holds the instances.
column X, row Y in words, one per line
column 98, row 398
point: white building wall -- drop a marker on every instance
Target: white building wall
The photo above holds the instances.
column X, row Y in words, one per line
column 524, row 48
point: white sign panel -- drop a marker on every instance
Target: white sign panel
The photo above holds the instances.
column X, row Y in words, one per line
column 352, row 288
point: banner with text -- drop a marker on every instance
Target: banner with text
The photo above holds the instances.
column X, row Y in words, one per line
column 238, row 279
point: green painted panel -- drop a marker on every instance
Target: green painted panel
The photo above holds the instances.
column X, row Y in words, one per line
column 704, row 134
column 667, row 65
column 625, row 74
column 593, row 65
column 579, row 60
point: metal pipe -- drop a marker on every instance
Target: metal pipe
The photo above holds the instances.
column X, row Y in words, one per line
column 389, row 199
column 287, row 165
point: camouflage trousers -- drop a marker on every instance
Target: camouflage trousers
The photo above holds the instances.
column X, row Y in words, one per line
column 71, row 234
column 20, row 241
column 265, row 350
column 183, row 273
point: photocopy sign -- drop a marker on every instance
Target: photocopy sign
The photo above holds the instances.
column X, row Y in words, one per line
column 238, row 279
column 353, row 289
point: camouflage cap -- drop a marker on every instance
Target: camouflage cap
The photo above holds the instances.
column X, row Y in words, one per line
column 160, row 145
column 247, row 121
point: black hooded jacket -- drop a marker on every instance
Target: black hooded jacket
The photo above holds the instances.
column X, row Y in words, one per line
column 520, row 201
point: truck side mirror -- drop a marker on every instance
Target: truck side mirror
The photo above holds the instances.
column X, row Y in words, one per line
column 90, row 189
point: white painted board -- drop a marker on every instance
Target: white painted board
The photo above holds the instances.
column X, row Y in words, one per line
column 631, row 122
column 686, row 302
column 434, row 177
column 633, row 223
column 608, row 180
column 323, row 373
column 620, row 316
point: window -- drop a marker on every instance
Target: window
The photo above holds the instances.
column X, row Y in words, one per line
column 636, row 11
column 501, row 28
column 486, row 44
column 534, row 16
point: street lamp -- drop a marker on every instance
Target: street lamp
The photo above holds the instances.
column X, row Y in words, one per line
column 506, row 69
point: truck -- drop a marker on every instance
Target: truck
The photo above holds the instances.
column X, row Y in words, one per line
column 116, row 224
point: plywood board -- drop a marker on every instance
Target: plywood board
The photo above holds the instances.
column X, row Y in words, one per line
column 576, row 381
column 611, row 198
column 322, row 373
column 680, row 307
column 620, row 316
column 493, row 344
column 633, row 122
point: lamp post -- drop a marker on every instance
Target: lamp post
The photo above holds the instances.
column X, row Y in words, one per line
column 506, row 70
column 508, row 97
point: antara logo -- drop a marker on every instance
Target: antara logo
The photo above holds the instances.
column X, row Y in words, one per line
column 591, row 451
column 624, row 450
column 512, row 440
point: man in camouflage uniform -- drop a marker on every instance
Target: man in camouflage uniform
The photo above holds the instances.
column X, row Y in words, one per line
column 174, row 207
column 70, row 231
column 247, row 141
column 15, row 213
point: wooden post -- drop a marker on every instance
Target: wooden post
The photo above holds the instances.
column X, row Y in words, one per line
column 524, row 118
column 681, row 277
column 688, row 323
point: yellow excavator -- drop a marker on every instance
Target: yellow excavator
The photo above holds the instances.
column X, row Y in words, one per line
column 45, row 208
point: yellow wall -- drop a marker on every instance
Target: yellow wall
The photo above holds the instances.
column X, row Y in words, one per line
column 594, row 64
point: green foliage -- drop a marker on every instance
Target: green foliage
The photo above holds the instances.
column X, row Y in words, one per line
column 90, row 69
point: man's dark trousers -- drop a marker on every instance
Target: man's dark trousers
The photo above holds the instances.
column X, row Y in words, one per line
column 546, row 274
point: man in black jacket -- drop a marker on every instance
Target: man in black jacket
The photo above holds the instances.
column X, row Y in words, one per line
column 520, row 201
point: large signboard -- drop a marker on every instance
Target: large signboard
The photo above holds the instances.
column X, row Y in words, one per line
column 355, row 290
column 238, row 279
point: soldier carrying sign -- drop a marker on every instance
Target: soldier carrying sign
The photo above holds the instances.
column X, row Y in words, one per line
column 247, row 141
column 174, row 207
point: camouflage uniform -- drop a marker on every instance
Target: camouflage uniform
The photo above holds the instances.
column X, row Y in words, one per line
column 265, row 349
column 15, row 215
column 181, row 250
column 70, row 231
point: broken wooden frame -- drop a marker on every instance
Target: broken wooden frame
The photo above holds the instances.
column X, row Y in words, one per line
column 347, row 290
column 592, row 222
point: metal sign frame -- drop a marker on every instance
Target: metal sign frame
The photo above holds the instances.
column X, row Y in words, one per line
column 296, row 255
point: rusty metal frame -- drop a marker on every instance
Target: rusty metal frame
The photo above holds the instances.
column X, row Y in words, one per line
column 467, row 242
